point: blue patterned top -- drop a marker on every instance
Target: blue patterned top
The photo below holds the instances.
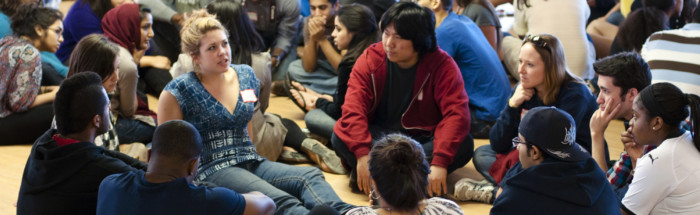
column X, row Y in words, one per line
column 225, row 137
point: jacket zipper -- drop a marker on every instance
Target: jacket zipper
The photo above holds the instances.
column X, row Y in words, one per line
column 420, row 91
column 374, row 90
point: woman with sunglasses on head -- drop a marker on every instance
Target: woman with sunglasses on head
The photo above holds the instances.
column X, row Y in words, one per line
column 219, row 98
column 666, row 179
column 129, row 26
column 565, row 19
column 544, row 81
column 26, row 106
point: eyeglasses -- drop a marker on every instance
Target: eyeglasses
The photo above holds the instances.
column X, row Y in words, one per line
column 59, row 31
column 536, row 40
column 516, row 141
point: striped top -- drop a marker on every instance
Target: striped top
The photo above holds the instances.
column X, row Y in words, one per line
column 674, row 57
column 225, row 138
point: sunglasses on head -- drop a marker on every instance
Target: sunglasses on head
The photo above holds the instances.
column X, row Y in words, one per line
column 536, row 40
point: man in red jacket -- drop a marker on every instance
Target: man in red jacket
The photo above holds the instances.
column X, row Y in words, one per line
column 406, row 84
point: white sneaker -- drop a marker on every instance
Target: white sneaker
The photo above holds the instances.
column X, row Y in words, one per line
column 468, row 189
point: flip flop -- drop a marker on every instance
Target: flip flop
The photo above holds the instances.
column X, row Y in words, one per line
column 288, row 87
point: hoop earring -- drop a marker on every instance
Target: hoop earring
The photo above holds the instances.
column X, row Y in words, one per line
column 373, row 194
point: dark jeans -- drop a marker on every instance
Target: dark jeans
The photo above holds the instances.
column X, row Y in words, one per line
column 480, row 128
column 167, row 38
column 318, row 122
column 461, row 158
column 132, row 130
column 26, row 127
column 153, row 80
column 484, row 157
column 49, row 75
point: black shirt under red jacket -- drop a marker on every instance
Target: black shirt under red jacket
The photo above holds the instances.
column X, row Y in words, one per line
column 439, row 106
column 64, row 179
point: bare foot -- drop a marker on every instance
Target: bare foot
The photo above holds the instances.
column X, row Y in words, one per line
column 302, row 88
column 304, row 98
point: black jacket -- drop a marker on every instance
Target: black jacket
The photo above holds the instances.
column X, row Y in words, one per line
column 64, row 180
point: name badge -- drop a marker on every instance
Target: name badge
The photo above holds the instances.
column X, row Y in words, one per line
column 249, row 96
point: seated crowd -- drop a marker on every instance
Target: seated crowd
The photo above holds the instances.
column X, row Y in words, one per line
column 394, row 96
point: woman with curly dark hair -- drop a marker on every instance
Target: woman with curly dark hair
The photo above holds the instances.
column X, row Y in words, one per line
column 26, row 106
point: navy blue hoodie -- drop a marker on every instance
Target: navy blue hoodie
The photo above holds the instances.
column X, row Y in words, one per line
column 556, row 187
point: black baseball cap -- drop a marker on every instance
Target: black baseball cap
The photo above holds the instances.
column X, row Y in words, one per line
column 554, row 132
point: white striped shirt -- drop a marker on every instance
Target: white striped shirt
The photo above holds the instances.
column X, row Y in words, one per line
column 674, row 57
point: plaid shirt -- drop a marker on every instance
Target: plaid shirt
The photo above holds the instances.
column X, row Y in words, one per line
column 620, row 174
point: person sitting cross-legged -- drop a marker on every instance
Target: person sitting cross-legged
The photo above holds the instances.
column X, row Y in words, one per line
column 166, row 188
column 405, row 84
column 219, row 99
column 555, row 175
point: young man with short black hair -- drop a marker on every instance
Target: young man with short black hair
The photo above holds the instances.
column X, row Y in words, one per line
column 317, row 68
column 620, row 78
column 65, row 167
column 166, row 188
column 406, row 84
column 555, row 175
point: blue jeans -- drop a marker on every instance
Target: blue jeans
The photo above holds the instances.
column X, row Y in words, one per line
column 484, row 157
column 323, row 79
column 621, row 193
column 132, row 130
column 294, row 189
column 318, row 122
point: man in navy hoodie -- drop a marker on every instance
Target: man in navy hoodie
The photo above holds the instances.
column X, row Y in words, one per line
column 555, row 175
column 65, row 167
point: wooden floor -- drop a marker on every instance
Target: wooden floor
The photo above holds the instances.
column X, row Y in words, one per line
column 13, row 158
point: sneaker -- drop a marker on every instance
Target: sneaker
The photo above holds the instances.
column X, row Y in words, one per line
column 293, row 157
column 468, row 189
column 323, row 156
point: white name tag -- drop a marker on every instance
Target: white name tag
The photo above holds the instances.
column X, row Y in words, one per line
column 249, row 96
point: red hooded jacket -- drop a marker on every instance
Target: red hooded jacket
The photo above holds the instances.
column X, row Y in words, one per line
column 439, row 103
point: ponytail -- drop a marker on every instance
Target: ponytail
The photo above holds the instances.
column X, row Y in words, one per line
column 694, row 103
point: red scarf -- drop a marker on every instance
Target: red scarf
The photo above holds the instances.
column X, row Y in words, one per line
column 122, row 25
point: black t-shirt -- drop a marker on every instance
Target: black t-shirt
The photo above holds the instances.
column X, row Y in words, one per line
column 398, row 89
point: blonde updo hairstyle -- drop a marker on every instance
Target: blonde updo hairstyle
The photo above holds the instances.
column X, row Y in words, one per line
column 196, row 26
